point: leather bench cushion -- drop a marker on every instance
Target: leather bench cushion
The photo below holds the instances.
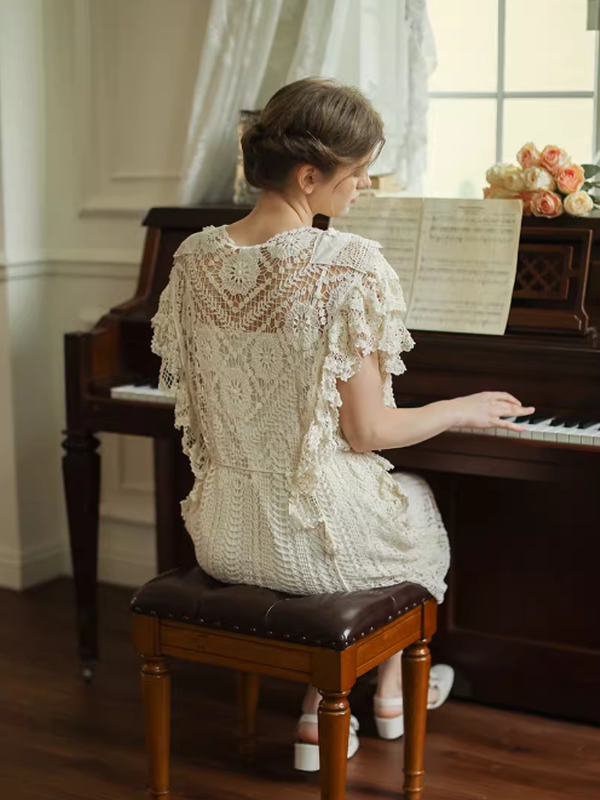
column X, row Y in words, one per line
column 334, row 621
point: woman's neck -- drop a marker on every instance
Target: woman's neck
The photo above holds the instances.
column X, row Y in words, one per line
column 272, row 214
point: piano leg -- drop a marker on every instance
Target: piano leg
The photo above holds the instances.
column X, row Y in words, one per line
column 81, row 475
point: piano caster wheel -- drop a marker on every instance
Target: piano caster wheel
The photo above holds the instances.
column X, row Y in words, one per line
column 87, row 671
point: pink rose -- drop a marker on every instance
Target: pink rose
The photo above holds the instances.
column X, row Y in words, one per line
column 553, row 158
column 526, row 197
column 494, row 192
column 546, row 204
column 528, row 156
column 570, row 179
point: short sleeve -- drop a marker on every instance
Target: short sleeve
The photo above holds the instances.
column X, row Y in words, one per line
column 368, row 319
column 167, row 343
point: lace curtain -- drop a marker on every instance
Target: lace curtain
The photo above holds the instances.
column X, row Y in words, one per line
column 253, row 47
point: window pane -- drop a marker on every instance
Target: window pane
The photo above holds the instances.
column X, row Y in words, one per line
column 548, row 47
column 565, row 122
column 462, row 144
column 466, row 41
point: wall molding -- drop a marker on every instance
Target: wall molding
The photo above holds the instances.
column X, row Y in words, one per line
column 105, row 189
column 82, row 267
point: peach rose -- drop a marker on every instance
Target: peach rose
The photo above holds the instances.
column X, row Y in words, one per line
column 526, row 197
column 536, row 178
column 528, row 156
column 570, row 179
column 578, row 204
column 546, row 204
column 497, row 193
column 508, row 176
column 553, row 158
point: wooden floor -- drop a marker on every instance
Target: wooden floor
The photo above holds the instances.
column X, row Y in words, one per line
column 62, row 739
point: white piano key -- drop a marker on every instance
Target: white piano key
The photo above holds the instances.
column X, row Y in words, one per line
column 144, row 394
column 591, row 436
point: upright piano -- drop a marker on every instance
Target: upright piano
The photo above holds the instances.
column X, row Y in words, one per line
column 521, row 620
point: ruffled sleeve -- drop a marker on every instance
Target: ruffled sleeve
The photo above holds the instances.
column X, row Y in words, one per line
column 168, row 344
column 369, row 319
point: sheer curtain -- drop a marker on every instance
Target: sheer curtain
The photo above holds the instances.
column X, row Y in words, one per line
column 253, row 47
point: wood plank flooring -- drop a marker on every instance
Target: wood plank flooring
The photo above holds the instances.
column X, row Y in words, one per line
column 62, row 739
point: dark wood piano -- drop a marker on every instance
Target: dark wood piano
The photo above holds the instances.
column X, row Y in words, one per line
column 521, row 622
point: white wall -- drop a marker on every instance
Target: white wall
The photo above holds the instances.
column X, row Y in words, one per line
column 94, row 104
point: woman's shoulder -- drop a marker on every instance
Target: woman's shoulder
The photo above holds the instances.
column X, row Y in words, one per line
column 345, row 249
column 202, row 241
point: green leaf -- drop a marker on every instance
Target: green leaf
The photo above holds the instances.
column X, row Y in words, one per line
column 589, row 170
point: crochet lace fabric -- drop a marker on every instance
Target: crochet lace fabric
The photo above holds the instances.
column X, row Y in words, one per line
column 253, row 341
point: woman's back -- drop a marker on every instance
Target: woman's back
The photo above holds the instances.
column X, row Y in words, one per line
column 253, row 341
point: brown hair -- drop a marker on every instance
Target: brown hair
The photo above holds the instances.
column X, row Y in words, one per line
column 311, row 121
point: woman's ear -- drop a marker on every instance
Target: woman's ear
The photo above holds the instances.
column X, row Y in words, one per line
column 306, row 177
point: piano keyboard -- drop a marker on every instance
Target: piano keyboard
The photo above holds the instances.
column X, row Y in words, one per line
column 538, row 427
column 142, row 393
column 547, row 428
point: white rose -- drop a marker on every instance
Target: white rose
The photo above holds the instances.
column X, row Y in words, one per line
column 578, row 204
column 538, row 178
column 508, row 176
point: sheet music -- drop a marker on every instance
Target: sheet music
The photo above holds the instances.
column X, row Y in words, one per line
column 456, row 259
column 395, row 223
column 467, row 264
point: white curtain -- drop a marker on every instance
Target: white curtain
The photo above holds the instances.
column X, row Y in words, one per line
column 253, row 47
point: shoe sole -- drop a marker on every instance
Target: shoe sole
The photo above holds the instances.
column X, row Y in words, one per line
column 306, row 756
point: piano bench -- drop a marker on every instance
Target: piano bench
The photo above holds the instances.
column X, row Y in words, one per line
column 328, row 640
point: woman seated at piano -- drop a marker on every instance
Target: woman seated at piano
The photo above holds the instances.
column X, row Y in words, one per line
column 278, row 341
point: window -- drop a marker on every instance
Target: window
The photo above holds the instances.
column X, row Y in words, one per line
column 509, row 71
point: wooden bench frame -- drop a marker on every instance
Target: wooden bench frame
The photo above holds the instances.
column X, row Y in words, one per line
column 333, row 672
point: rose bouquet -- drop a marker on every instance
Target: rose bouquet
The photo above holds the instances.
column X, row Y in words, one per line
column 547, row 182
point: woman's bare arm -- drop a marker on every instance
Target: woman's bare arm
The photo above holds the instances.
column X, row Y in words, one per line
column 368, row 425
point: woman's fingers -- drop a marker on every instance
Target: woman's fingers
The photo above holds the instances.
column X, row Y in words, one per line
column 512, row 426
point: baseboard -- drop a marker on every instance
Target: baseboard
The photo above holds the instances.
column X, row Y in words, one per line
column 36, row 565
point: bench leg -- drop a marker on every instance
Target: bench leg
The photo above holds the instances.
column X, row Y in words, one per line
column 334, row 730
column 248, row 687
column 156, row 699
column 415, row 682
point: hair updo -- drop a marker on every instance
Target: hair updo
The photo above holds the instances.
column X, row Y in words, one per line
column 311, row 121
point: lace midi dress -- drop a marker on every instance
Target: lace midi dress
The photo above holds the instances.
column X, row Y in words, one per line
column 253, row 340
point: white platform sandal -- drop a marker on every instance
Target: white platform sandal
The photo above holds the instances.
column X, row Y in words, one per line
column 306, row 756
column 389, row 727
column 441, row 679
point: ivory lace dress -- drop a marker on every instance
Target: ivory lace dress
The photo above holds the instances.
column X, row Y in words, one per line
column 252, row 341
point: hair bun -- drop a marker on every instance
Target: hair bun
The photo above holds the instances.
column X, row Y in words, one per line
column 314, row 121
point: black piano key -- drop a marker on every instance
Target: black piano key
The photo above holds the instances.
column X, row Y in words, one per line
column 588, row 423
column 526, row 418
column 538, row 416
column 560, row 421
column 570, row 422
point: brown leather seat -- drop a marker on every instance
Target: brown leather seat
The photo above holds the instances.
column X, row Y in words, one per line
column 334, row 621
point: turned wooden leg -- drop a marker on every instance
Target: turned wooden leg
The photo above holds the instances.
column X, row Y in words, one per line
column 81, row 476
column 248, row 686
column 156, row 699
column 334, row 730
column 415, row 688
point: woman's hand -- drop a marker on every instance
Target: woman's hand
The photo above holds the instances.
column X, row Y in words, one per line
column 486, row 409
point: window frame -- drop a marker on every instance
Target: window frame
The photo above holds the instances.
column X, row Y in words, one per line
column 500, row 95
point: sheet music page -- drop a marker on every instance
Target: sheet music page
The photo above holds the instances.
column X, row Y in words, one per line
column 466, row 266
column 395, row 222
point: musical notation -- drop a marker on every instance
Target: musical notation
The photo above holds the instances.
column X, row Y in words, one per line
column 456, row 259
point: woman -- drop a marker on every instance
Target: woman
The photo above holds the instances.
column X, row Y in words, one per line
column 278, row 341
